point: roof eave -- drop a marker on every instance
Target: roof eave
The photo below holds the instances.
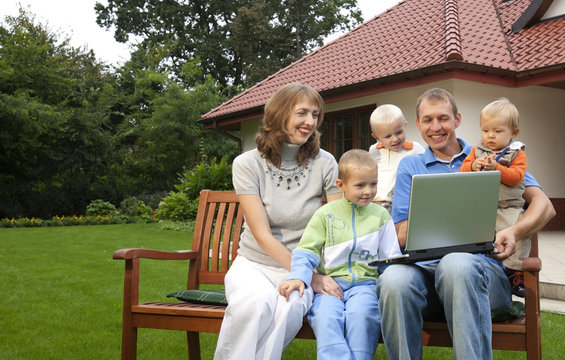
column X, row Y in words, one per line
column 447, row 70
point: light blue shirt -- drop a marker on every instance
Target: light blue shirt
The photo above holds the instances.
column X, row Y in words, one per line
column 427, row 163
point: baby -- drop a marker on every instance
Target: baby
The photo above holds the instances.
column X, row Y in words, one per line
column 499, row 123
column 388, row 127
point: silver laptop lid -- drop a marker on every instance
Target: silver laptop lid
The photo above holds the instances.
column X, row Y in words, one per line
column 452, row 209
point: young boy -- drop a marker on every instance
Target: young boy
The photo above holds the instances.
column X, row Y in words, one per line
column 499, row 123
column 340, row 239
column 388, row 128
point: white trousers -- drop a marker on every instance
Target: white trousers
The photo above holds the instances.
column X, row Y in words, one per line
column 258, row 323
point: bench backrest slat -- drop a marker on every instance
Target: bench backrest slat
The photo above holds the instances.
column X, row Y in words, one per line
column 216, row 232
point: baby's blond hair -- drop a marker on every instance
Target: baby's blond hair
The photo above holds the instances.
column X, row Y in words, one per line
column 355, row 159
column 385, row 115
column 504, row 109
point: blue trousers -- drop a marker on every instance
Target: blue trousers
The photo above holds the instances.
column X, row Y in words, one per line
column 348, row 328
column 464, row 286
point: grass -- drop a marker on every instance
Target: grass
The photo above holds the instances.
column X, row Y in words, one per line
column 61, row 297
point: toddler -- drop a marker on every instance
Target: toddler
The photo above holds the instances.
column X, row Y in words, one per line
column 388, row 127
column 499, row 123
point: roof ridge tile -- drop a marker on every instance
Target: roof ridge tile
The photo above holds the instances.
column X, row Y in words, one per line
column 452, row 32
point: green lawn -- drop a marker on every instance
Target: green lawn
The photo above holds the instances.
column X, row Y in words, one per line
column 61, row 296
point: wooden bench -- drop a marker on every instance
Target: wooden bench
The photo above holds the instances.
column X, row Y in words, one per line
column 216, row 237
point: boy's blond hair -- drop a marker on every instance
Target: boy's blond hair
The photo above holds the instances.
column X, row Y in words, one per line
column 355, row 159
column 385, row 115
column 504, row 109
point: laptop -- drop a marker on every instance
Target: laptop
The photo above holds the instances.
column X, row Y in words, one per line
column 450, row 212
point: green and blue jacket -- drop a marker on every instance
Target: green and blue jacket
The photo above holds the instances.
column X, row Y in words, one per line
column 341, row 239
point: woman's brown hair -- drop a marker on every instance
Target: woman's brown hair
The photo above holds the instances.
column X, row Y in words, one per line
column 272, row 133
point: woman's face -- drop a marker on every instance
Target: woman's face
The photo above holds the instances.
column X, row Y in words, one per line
column 302, row 122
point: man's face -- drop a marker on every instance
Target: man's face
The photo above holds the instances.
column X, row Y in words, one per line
column 437, row 125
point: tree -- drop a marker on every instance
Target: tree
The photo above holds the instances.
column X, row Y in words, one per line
column 51, row 147
column 155, row 121
column 239, row 41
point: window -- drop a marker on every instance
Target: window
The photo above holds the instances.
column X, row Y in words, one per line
column 346, row 130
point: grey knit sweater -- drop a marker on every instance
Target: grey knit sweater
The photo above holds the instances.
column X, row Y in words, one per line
column 290, row 194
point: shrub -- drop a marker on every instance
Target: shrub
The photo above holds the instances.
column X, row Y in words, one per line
column 207, row 175
column 135, row 208
column 62, row 221
column 184, row 226
column 101, row 208
column 152, row 200
column 177, row 207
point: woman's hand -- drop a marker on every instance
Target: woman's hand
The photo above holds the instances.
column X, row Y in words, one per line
column 326, row 285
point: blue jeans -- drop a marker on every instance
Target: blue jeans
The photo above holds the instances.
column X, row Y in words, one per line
column 348, row 328
column 465, row 286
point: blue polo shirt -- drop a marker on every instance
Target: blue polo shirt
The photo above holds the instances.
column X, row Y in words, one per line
column 427, row 163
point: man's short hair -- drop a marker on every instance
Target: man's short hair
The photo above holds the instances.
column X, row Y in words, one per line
column 434, row 96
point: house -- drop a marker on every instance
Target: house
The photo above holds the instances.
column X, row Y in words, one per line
column 478, row 50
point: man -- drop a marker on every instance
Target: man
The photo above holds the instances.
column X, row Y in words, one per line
column 465, row 287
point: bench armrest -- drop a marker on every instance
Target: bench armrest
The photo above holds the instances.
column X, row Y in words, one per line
column 531, row 264
column 128, row 254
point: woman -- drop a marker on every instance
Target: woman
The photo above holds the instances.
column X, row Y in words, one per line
column 279, row 186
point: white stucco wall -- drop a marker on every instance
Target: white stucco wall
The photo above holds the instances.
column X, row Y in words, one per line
column 542, row 121
column 248, row 131
column 557, row 8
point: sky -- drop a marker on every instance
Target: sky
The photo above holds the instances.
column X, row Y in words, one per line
column 77, row 19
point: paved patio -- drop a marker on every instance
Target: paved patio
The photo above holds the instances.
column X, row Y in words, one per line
column 552, row 275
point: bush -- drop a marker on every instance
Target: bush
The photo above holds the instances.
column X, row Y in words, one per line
column 177, row 207
column 152, row 200
column 101, row 208
column 135, row 208
column 212, row 175
column 62, row 221
column 184, row 226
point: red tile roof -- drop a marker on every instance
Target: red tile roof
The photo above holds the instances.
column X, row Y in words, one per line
column 413, row 35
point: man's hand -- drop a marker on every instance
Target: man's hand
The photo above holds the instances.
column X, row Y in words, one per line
column 326, row 285
column 505, row 244
column 288, row 286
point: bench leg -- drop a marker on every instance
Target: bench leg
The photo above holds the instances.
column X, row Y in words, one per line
column 129, row 343
column 193, row 343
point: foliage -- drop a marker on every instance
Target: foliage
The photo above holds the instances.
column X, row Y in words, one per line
column 72, row 130
column 62, row 221
column 156, row 126
column 238, row 41
column 212, row 175
column 177, row 207
column 184, row 226
column 51, row 146
column 101, row 208
column 133, row 207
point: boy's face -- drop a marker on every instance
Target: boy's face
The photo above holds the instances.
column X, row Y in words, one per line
column 360, row 187
column 496, row 134
column 391, row 136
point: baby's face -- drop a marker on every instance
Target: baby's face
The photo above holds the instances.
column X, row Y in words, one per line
column 391, row 136
column 496, row 134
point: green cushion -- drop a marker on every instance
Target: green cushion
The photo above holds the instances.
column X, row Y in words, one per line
column 515, row 312
column 210, row 297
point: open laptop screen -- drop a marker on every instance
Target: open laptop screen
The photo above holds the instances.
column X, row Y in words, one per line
column 452, row 209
